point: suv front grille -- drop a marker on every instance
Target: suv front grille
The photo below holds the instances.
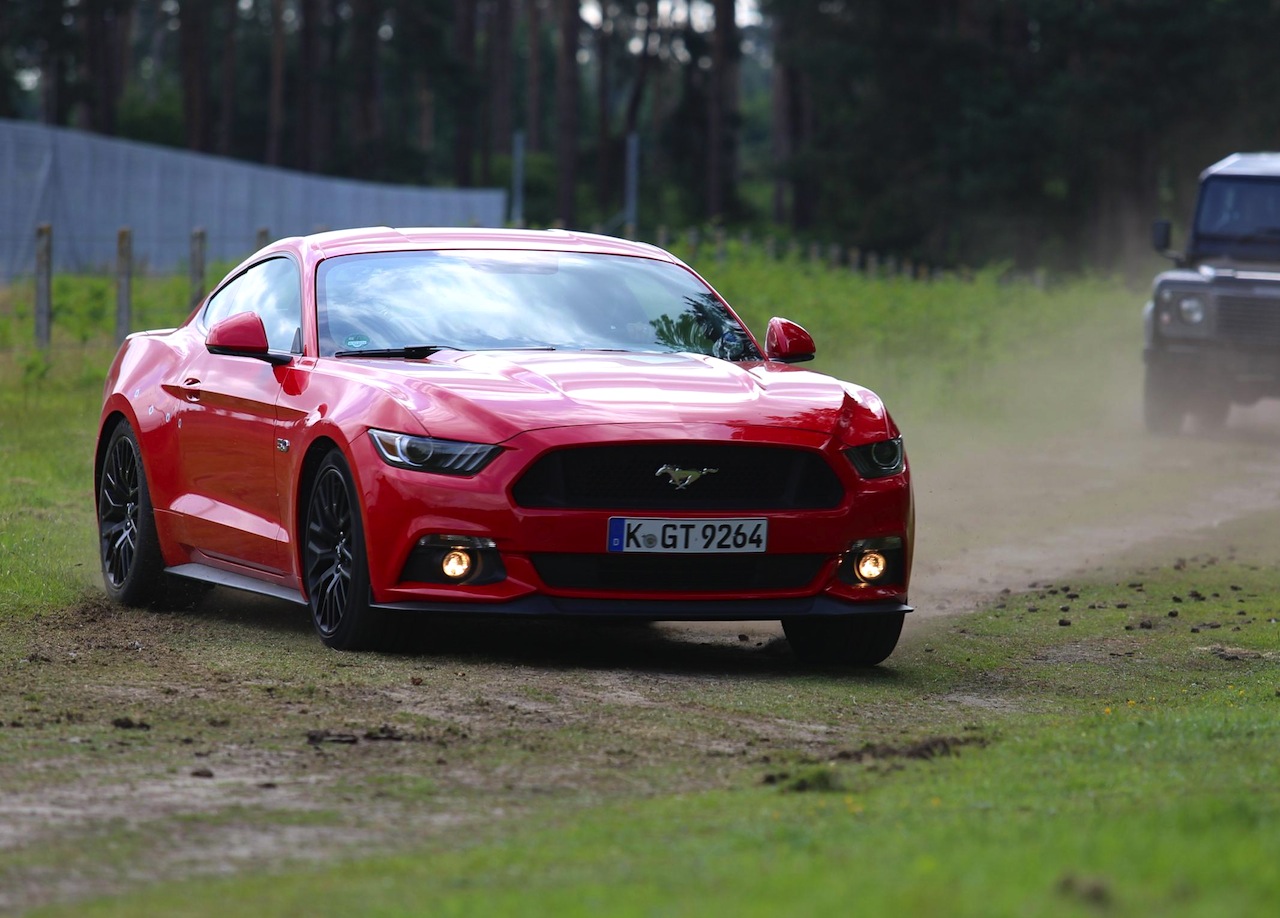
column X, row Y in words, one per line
column 677, row 573
column 629, row 477
column 1251, row 320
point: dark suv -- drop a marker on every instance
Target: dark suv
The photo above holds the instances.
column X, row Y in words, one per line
column 1212, row 326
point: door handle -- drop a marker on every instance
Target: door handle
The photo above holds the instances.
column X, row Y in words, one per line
column 191, row 389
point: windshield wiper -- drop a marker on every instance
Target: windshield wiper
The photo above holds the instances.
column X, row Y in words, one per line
column 419, row 351
column 412, row 352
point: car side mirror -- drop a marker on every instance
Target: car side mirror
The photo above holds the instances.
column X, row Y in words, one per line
column 787, row 342
column 1161, row 236
column 242, row 335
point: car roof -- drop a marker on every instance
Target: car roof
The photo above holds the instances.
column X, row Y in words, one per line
column 394, row 239
column 1254, row 164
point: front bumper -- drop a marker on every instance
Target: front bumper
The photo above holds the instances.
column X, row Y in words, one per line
column 1247, row 373
column 663, row 610
column 536, row 546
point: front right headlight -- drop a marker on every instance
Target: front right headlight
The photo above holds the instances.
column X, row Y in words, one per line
column 878, row 460
column 429, row 454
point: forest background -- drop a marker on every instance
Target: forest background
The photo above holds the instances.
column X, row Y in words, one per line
column 952, row 132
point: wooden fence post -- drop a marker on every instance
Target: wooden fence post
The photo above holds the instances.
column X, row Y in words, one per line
column 124, row 283
column 197, row 265
column 44, row 285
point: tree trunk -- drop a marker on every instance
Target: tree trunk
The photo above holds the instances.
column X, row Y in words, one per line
column 105, row 27
column 780, row 129
column 464, row 53
column 367, row 128
column 643, row 67
column 603, row 140
column 567, row 112
column 533, row 79
column 500, row 66
column 275, row 91
column 721, row 105
column 227, row 102
column 308, row 84
column 192, row 41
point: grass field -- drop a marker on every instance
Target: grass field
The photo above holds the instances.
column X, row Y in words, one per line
column 221, row 761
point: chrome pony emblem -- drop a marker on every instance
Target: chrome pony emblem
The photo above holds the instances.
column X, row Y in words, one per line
column 682, row 478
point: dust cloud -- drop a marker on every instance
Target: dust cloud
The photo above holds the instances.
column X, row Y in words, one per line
column 1008, row 503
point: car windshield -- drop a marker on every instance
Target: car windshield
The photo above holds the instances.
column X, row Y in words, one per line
column 1240, row 208
column 481, row 300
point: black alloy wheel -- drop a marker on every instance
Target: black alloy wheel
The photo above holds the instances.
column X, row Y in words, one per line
column 128, row 544
column 844, row 640
column 334, row 562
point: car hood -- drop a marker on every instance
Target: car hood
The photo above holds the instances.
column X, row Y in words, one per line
column 492, row 396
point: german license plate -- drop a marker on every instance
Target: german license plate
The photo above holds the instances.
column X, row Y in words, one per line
column 723, row 536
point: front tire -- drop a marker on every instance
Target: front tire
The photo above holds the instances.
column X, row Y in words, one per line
column 1163, row 403
column 334, row 562
column 132, row 565
column 847, row 640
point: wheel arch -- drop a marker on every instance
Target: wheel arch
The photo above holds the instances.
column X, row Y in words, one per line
column 109, row 425
column 316, row 452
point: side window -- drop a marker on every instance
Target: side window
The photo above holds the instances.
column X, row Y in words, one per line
column 272, row 289
column 222, row 305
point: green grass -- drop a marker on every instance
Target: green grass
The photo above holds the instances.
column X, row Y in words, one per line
column 1105, row 767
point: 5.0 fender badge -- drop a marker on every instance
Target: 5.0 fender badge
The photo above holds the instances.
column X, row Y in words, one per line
column 682, row 478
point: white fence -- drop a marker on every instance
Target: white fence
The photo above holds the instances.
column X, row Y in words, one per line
column 88, row 187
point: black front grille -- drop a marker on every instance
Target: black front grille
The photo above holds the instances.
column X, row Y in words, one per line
column 1251, row 320
column 630, row 477
column 634, row 573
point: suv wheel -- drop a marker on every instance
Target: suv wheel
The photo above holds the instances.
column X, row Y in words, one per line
column 1163, row 404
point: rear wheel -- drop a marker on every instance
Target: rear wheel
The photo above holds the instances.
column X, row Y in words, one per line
column 1209, row 410
column 132, row 566
column 850, row 640
column 334, row 562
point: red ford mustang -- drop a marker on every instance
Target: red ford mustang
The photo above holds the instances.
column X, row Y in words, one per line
column 376, row 421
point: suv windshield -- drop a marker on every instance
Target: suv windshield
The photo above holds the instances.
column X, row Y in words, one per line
column 1247, row 209
column 479, row 300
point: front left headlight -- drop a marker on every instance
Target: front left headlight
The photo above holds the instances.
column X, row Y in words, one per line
column 1191, row 310
column 878, row 460
column 429, row 454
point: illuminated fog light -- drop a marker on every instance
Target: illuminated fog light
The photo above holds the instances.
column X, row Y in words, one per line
column 871, row 566
column 456, row 564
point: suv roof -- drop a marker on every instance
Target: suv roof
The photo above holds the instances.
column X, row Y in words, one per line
column 1257, row 164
